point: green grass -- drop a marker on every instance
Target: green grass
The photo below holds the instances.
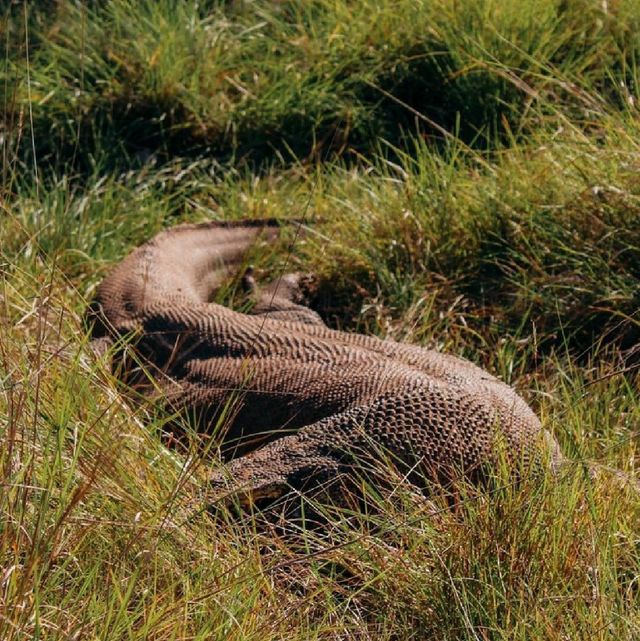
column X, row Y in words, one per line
column 308, row 79
column 468, row 172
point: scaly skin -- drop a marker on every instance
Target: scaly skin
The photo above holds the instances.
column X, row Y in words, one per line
column 291, row 400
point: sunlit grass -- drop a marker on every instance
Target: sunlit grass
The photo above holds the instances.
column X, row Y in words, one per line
column 308, row 79
column 467, row 176
column 104, row 534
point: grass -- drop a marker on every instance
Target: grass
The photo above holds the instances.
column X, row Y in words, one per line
column 468, row 174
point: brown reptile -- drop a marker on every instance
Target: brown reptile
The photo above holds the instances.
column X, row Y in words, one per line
column 292, row 401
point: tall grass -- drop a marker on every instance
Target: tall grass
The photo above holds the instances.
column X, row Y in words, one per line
column 467, row 172
column 315, row 77
column 103, row 534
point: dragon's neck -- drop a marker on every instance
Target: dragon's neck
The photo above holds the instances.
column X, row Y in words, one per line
column 184, row 265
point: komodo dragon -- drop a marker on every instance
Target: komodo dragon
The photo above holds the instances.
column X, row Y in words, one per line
column 299, row 401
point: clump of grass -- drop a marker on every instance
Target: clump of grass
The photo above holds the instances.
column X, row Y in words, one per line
column 539, row 244
column 313, row 78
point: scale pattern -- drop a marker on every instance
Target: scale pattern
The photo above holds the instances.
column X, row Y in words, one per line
column 292, row 400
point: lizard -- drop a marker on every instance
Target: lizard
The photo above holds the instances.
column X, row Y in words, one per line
column 293, row 402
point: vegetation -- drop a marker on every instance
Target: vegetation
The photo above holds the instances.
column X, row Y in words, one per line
column 468, row 174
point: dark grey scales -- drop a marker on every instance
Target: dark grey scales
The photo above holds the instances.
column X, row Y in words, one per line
column 300, row 401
